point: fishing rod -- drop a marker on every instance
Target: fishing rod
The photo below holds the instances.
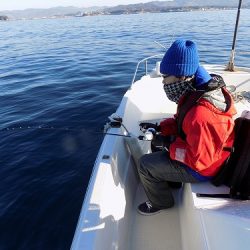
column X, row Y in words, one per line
column 162, row 46
column 115, row 121
column 230, row 66
column 22, row 128
column 17, row 129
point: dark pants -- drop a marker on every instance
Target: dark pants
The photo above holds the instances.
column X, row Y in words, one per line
column 155, row 171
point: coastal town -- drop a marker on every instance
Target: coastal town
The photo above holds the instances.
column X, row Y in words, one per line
column 3, row 18
column 149, row 7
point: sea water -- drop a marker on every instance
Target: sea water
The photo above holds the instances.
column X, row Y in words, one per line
column 60, row 79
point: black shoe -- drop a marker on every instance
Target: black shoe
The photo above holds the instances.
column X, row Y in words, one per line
column 146, row 208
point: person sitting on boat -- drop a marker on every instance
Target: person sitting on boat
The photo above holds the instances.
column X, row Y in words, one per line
column 207, row 126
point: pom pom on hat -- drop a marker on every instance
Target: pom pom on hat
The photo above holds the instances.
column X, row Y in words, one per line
column 181, row 59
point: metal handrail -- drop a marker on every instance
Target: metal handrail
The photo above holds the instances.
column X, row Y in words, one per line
column 145, row 60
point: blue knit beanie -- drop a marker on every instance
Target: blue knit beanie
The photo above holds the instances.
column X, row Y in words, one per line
column 181, row 59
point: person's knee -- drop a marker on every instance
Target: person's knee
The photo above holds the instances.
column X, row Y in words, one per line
column 143, row 166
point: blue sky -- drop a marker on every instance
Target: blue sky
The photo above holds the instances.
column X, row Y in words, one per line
column 24, row 4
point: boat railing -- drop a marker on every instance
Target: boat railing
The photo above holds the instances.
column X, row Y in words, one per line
column 145, row 61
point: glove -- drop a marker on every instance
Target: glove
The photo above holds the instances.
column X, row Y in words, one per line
column 146, row 125
column 169, row 127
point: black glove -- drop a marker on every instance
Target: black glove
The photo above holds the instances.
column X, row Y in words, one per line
column 146, row 125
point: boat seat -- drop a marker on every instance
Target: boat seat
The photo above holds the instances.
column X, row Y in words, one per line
column 218, row 223
column 208, row 188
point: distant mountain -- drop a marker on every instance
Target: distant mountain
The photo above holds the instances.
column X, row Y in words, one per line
column 207, row 3
column 153, row 6
column 47, row 13
column 189, row 3
column 175, row 5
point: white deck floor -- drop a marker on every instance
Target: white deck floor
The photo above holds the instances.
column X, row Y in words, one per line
column 193, row 223
column 158, row 232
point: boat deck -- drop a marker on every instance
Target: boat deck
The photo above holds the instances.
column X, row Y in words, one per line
column 161, row 231
column 109, row 218
column 167, row 230
column 205, row 216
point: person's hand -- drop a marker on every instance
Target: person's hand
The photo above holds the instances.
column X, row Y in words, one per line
column 169, row 127
column 146, row 125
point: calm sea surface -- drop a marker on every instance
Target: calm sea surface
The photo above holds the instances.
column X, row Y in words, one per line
column 72, row 73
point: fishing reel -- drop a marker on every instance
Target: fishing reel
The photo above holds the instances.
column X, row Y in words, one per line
column 149, row 134
column 152, row 134
column 115, row 121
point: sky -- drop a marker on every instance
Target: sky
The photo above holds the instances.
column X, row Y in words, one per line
column 24, row 4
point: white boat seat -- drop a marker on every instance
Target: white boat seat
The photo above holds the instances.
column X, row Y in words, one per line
column 220, row 223
column 208, row 188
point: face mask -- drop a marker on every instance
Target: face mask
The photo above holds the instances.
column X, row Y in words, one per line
column 174, row 91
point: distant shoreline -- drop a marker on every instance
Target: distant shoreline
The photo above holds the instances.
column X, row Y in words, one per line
column 168, row 10
column 4, row 18
column 115, row 11
column 101, row 13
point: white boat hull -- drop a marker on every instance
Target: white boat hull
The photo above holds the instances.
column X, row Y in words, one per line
column 109, row 219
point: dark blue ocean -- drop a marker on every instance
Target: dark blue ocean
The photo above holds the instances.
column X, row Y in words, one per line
column 59, row 81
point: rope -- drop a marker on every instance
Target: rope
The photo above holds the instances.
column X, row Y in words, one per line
column 241, row 95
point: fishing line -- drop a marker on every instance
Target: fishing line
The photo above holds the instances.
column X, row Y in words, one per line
column 52, row 128
column 162, row 46
column 39, row 128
